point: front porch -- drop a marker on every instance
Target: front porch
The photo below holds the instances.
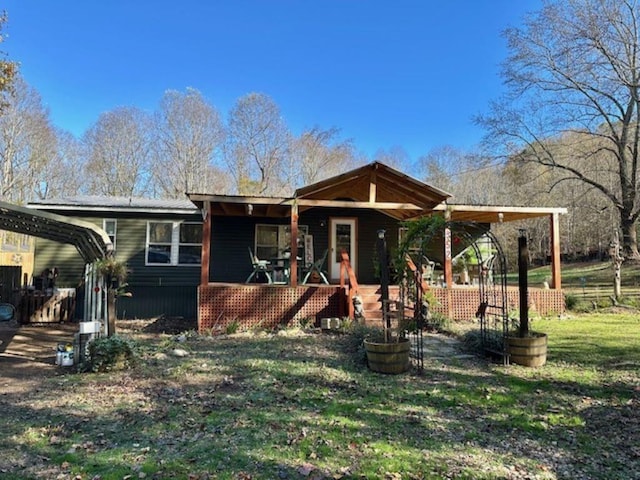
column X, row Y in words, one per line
column 271, row 306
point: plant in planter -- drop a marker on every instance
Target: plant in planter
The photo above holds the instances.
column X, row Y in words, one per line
column 524, row 346
column 115, row 274
column 388, row 352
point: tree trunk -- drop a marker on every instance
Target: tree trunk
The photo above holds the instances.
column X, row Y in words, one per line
column 629, row 238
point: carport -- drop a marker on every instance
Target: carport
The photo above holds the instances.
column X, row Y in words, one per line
column 92, row 243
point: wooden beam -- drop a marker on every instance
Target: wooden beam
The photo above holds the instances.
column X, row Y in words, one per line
column 373, row 185
column 556, row 276
column 346, row 204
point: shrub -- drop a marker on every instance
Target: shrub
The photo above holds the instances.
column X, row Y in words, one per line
column 571, row 301
column 232, row 327
column 111, row 353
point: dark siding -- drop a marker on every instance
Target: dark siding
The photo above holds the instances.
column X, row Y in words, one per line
column 157, row 290
column 150, row 302
column 65, row 257
column 232, row 237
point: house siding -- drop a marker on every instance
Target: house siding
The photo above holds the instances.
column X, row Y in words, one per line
column 156, row 290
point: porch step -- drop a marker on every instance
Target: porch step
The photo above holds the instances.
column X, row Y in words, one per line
column 372, row 302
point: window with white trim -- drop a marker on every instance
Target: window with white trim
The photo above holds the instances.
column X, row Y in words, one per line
column 110, row 225
column 173, row 243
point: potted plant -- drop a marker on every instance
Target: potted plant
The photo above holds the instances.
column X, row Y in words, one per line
column 524, row 346
column 115, row 274
column 389, row 351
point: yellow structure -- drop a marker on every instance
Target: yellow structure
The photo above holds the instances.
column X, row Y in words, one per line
column 17, row 249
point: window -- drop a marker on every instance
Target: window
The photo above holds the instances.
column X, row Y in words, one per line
column 173, row 243
column 110, row 226
column 273, row 240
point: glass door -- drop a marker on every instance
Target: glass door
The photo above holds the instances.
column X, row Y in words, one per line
column 343, row 238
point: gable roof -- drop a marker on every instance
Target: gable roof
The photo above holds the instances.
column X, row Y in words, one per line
column 373, row 186
column 375, row 183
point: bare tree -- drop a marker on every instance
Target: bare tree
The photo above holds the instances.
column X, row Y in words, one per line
column 574, row 68
column 257, row 148
column 117, row 153
column 63, row 176
column 395, row 157
column 8, row 69
column 189, row 134
column 27, row 142
column 469, row 177
column 318, row 154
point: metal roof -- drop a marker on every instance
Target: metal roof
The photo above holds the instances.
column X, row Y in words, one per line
column 92, row 242
column 116, row 204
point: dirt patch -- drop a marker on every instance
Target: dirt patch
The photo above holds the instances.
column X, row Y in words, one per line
column 163, row 324
column 28, row 353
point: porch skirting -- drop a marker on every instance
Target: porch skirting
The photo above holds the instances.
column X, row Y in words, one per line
column 461, row 302
column 266, row 306
column 271, row 306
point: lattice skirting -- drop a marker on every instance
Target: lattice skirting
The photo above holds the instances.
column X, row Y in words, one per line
column 270, row 306
column 266, row 306
column 461, row 303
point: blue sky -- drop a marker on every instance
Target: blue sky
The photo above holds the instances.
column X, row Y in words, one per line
column 407, row 73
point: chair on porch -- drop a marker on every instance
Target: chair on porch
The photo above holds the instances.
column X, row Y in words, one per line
column 317, row 268
column 428, row 266
column 486, row 270
column 259, row 267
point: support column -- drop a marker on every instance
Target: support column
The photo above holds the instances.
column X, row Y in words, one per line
column 556, row 276
column 205, row 253
column 448, row 271
column 293, row 259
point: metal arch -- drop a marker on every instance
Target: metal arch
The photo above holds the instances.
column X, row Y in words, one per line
column 493, row 306
column 492, row 291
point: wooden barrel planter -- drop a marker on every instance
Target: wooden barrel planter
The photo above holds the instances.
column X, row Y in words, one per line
column 390, row 357
column 528, row 351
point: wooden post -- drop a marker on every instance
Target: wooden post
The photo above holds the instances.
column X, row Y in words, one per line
column 293, row 258
column 556, row 276
column 523, row 283
column 206, row 243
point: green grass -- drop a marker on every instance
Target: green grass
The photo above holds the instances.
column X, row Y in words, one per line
column 299, row 405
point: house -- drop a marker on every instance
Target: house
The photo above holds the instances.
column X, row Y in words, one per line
column 160, row 240
column 278, row 238
column 268, row 261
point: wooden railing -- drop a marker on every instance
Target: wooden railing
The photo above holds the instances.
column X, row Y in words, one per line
column 40, row 307
column 346, row 271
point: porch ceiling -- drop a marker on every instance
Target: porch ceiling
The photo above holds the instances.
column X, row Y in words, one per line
column 91, row 242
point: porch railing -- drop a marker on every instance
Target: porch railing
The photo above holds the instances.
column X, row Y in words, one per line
column 350, row 288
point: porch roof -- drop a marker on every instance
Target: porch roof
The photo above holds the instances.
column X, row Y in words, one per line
column 495, row 213
column 373, row 186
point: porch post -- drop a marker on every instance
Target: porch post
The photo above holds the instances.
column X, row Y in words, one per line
column 556, row 276
column 206, row 243
column 293, row 258
column 448, row 269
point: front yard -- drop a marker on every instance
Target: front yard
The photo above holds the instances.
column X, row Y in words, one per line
column 297, row 405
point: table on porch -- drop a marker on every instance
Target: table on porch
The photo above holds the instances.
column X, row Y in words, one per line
column 281, row 269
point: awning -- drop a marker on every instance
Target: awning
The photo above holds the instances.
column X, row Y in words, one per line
column 92, row 242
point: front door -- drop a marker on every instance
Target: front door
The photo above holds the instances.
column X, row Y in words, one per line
column 342, row 237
